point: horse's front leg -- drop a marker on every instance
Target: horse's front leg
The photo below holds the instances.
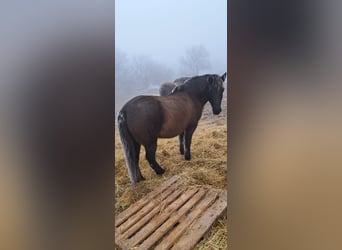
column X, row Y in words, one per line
column 187, row 141
column 181, row 143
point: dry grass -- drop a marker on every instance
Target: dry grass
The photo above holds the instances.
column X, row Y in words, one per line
column 208, row 166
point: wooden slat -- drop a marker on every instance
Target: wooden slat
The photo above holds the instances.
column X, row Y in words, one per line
column 151, row 221
column 158, row 220
column 136, row 206
column 201, row 226
column 168, row 241
column 154, row 237
column 146, row 209
column 146, row 218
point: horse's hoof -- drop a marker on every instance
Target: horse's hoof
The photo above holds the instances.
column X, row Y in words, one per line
column 181, row 152
column 187, row 157
column 160, row 171
column 139, row 179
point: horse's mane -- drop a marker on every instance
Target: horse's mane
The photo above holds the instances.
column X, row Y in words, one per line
column 182, row 79
column 195, row 83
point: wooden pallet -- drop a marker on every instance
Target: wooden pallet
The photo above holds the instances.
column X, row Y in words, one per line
column 172, row 216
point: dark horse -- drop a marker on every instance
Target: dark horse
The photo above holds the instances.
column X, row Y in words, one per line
column 144, row 119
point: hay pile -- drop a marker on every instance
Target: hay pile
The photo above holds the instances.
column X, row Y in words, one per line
column 208, row 166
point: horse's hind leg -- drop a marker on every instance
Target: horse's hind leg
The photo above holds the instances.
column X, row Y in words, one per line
column 151, row 158
column 181, row 143
column 137, row 150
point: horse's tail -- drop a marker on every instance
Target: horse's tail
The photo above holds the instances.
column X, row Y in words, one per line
column 130, row 148
column 166, row 88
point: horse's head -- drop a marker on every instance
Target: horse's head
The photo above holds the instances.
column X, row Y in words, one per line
column 206, row 88
column 215, row 91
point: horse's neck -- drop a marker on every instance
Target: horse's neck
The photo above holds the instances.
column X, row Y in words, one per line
column 200, row 94
column 200, row 100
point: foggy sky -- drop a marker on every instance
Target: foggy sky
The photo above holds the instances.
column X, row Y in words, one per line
column 164, row 29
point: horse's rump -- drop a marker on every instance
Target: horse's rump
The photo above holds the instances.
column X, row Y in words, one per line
column 144, row 118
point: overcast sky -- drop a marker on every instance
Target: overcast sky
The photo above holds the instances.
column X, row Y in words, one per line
column 163, row 29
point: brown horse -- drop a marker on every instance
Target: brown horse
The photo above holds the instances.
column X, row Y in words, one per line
column 144, row 119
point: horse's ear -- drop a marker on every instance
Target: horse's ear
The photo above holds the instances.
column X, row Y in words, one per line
column 223, row 77
column 210, row 79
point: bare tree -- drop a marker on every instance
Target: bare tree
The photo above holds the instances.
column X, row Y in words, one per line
column 121, row 60
column 195, row 60
column 138, row 73
column 148, row 72
column 121, row 71
column 140, row 70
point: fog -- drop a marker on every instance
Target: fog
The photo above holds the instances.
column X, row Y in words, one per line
column 159, row 41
